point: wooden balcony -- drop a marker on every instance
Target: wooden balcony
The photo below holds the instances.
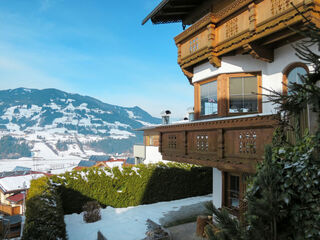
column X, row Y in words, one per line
column 9, row 210
column 243, row 26
column 230, row 144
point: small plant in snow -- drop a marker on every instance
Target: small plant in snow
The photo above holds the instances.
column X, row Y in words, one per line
column 91, row 212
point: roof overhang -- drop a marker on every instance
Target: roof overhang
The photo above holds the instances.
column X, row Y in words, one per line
column 170, row 11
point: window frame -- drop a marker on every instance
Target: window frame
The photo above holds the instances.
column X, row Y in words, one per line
column 202, row 83
column 226, row 189
column 287, row 71
column 259, row 98
column 223, row 95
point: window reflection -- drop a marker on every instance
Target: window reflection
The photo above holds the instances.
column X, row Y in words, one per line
column 209, row 99
column 294, row 76
column 242, row 94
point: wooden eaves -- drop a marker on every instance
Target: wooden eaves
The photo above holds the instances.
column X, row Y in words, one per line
column 170, row 11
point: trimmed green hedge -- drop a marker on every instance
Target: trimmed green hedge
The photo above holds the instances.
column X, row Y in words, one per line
column 50, row 198
column 44, row 213
column 132, row 186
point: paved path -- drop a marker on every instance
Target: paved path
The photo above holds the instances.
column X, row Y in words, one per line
column 185, row 231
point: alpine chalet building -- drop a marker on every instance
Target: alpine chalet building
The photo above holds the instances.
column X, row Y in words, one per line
column 232, row 52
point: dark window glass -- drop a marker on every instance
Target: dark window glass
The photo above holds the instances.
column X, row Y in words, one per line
column 209, row 99
column 234, row 191
column 242, row 93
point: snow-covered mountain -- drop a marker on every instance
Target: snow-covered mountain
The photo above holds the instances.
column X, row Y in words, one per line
column 55, row 123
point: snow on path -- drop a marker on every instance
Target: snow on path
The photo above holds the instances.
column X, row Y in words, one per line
column 124, row 223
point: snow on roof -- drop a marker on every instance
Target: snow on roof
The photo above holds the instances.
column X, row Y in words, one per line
column 21, row 168
column 14, row 183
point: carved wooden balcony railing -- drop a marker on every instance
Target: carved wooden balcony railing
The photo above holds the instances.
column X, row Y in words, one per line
column 244, row 26
column 234, row 144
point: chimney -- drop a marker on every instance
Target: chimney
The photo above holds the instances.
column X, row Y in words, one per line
column 190, row 111
column 165, row 117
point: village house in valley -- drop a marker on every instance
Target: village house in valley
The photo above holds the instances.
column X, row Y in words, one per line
column 232, row 52
column 14, row 186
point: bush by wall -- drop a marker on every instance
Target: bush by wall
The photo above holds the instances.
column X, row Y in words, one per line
column 50, row 198
column 130, row 186
column 44, row 213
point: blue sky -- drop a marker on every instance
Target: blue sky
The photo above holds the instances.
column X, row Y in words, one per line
column 96, row 48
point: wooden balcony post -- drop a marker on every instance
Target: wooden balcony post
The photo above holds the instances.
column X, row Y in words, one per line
column 223, row 93
column 252, row 17
column 160, row 142
column 220, row 144
column 185, row 140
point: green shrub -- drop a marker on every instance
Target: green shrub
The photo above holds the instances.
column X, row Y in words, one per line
column 142, row 184
column 91, row 212
column 44, row 213
column 50, row 198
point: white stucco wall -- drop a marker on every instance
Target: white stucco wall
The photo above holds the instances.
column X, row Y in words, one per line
column 153, row 155
column 217, row 188
column 271, row 72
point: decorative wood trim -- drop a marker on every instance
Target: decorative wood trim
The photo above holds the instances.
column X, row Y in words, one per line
column 223, row 86
column 238, row 27
column 260, row 52
column 230, row 9
column 268, row 121
column 188, row 74
column 252, row 17
column 214, row 60
column 264, row 29
column 230, row 145
column 200, row 24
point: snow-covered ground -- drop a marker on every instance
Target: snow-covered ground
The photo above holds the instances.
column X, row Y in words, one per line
column 56, row 166
column 125, row 223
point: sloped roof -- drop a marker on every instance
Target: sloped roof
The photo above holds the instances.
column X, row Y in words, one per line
column 20, row 168
column 16, row 198
column 169, row 11
column 86, row 163
column 18, row 183
column 130, row 161
column 99, row 158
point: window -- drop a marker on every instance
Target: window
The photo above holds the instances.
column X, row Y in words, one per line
column 234, row 188
column 242, row 94
column 209, row 98
column 292, row 75
column 228, row 94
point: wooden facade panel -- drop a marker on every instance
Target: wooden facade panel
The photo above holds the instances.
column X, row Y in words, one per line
column 238, row 29
column 234, row 144
column 173, row 143
column 202, row 142
column 246, row 143
column 233, row 27
column 194, row 44
column 269, row 9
